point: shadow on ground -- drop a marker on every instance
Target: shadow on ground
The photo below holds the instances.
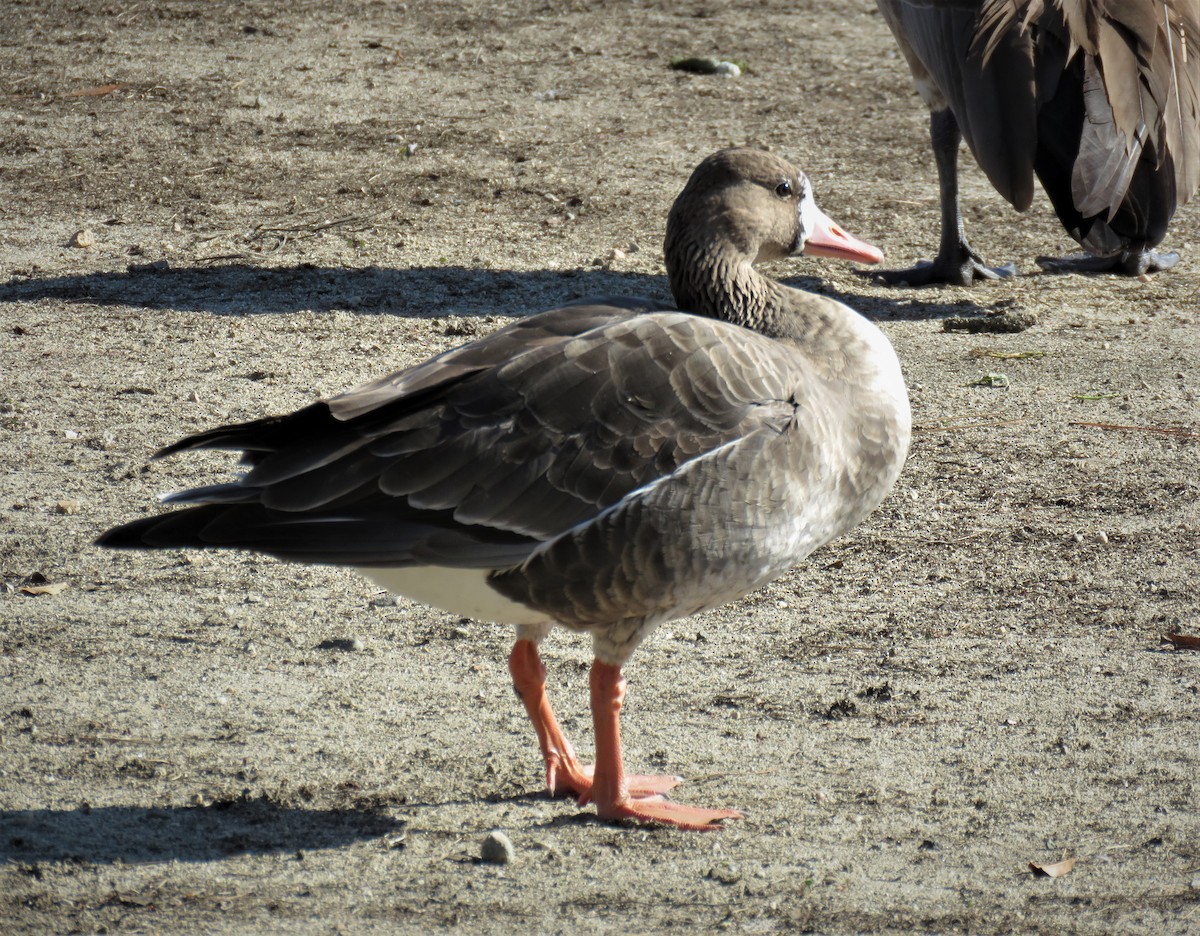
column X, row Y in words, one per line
column 419, row 292
column 135, row 834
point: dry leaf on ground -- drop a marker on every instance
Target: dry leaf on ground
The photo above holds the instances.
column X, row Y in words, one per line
column 1058, row 869
column 51, row 589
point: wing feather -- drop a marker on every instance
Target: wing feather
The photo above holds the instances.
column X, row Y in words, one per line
column 475, row 458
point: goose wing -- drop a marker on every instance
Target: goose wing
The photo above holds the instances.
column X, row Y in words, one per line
column 476, row 457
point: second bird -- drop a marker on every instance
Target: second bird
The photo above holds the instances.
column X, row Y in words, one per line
column 1099, row 98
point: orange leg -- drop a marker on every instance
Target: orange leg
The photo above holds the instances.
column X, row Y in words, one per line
column 564, row 773
column 610, row 790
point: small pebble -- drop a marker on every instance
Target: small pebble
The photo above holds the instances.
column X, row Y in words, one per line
column 497, row 848
column 158, row 266
column 68, row 507
column 707, row 66
column 344, row 644
column 616, row 254
column 1102, row 536
column 82, row 238
column 724, row 873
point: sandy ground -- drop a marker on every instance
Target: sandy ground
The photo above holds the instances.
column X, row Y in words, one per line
column 284, row 200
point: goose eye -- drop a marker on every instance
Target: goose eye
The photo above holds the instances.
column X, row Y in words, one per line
column 784, row 189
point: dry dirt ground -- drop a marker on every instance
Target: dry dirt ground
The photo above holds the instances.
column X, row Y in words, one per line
column 287, row 199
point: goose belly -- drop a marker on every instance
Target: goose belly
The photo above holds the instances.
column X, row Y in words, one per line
column 464, row 592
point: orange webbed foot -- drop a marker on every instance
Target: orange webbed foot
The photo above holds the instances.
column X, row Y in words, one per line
column 660, row 811
column 570, row 778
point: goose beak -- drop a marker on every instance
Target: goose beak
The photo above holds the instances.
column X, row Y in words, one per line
column 824, row 238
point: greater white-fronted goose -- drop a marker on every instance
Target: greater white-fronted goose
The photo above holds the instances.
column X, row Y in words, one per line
column 605, row 466
column 1099, row 98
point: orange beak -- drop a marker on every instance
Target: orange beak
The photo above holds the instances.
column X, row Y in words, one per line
column 825, row 239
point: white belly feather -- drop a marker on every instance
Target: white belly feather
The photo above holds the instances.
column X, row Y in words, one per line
column 464, row 592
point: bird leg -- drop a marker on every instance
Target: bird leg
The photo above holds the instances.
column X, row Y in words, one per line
column 565, row 775
column 957, row 263
column 611, row 791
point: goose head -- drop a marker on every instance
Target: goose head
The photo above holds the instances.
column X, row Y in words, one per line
column 740, row 207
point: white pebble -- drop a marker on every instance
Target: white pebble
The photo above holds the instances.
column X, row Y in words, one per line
column 728, row 69
column 497, row 848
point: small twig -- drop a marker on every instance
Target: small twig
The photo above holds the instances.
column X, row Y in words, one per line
column 64, row 740
column 314, row 227
column 1182, row 433
column 959, row 426
column 98, row 91
column 957, row 541
column 1007, row 355
column 708, row 777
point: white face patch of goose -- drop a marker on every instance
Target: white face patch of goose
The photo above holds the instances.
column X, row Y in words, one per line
column 809, row 213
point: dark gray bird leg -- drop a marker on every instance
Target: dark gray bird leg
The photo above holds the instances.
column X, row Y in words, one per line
column 957, row 262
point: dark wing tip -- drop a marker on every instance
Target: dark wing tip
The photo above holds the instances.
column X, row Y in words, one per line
column 125, row 536
column 179, row 529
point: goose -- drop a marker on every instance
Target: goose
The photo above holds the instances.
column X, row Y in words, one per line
column 605, row 466
column 1099, row 98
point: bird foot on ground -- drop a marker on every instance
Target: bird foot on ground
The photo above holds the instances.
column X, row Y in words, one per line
column 660, row 811
column 940, row 271
column 575, row 779
column 1127, row 263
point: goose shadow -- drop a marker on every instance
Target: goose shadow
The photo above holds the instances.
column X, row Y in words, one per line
column 139, row 835
column 911, row 307
column 240, row 290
